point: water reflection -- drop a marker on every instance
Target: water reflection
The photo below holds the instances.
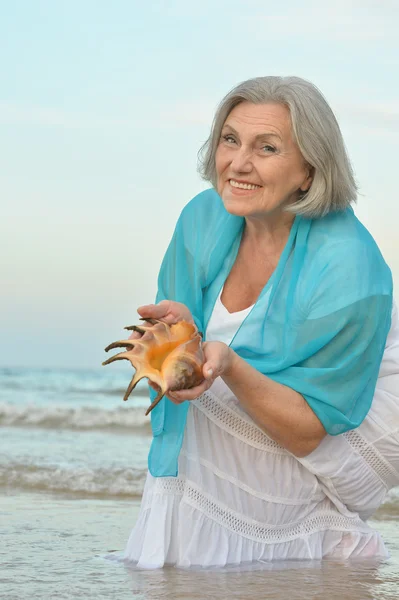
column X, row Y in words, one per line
column 352, row 580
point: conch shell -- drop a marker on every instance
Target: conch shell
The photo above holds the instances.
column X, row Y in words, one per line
column 170, row 356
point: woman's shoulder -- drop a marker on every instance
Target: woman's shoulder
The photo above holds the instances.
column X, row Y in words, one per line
column 342, row 237
column 339, row 227
column 343, row 264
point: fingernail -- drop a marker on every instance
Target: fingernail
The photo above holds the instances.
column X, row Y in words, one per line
column 209, row 372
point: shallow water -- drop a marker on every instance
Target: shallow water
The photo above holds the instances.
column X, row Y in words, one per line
column 59, row 547
column 70, row 432
column 72, row 465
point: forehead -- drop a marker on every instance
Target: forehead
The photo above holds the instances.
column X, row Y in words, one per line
column 259, row 118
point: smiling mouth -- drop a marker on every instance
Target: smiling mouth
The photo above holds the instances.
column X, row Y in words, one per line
column 243, row 186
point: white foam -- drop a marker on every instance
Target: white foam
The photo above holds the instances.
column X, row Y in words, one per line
column 122, row 419
column 83, row 481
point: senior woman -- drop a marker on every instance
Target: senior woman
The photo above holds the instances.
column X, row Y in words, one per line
column 294, row 300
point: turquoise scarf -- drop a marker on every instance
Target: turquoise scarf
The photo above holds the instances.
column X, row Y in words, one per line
column 319, row 326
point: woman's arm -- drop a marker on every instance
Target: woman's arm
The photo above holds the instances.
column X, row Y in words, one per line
column 277, row 409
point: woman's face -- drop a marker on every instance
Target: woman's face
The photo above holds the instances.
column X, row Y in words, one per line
column 259, row 166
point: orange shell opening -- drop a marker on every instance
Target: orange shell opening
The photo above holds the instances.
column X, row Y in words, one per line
column 179, row 333
column 157, row 355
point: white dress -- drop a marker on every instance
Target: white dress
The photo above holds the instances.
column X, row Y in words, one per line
column 359, row 467
column 241, row 498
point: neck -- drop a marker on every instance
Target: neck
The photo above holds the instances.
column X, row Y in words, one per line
column 266, row 231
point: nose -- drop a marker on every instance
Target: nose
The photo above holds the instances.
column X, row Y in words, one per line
column 242, row 160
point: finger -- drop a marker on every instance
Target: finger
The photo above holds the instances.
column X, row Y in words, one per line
column 216, row 357
column 208, row 370
column 174, row 400
column 134, row 336
column 192, row 393
column 154, row 311
column 146, row 311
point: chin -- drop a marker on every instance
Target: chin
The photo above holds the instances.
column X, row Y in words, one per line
column 239, row 207
column 236, row 208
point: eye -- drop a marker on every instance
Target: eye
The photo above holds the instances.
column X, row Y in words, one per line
column 268, row 148
column 228, row 138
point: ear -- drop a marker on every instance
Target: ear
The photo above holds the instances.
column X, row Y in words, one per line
column 309, row 178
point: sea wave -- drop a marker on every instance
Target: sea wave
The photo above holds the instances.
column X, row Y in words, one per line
column 83, row 482
column 70, row 389
column 73, row 382
column 123, row 419
column 390, row 509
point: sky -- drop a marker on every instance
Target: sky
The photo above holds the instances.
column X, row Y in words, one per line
column 103, row 108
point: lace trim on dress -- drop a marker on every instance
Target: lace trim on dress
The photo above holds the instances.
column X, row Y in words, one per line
column 229, row 420
column 249, row 528
column 246, row 488
column 386, row 472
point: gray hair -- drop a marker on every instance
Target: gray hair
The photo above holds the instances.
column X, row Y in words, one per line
column 315, row 130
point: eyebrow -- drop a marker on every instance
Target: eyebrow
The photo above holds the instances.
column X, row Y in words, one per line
column 257, row 137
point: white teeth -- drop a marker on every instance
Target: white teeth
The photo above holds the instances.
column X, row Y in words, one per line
column 243, row 186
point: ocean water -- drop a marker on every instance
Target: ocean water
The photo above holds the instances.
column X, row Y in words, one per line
column 72, row 467
column 69, row 432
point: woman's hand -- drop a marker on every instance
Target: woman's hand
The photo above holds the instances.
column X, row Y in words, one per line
column 167, row 311
column 218, row 360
